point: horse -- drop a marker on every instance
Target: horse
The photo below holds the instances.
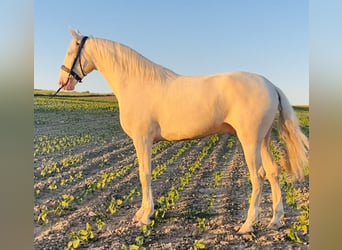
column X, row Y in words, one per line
column 157, row 104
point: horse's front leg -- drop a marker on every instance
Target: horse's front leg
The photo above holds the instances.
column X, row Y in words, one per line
column 143, row 147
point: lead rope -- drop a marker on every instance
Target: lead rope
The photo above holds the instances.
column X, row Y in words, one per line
column 59, row 89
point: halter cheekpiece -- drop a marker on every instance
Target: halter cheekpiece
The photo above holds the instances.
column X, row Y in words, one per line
column 70, row 71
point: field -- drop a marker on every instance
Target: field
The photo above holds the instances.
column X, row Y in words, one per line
column 87, row 190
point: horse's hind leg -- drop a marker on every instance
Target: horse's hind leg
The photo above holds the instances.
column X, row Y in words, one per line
column 272, row 172
column 253, row 159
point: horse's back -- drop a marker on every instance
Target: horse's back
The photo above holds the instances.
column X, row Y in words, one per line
column 223, row 91
column 192, row 107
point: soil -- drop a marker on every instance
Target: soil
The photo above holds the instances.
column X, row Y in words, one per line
column 222, row 207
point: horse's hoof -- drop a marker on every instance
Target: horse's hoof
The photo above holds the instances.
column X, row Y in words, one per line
column 140, row 223
column 138, row 215
column 245, row 229
column 274, row 225
column 141, row 220
column 145, row 221
column 135, row 218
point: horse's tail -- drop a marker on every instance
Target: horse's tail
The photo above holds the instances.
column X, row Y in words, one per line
column 296, row 143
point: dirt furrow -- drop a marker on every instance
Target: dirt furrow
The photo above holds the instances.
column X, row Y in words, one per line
column 92, row 146
column 97, row 203
column 176, row 169
column 116, row 158
column 69, row 122
column 120, row 230
column 125, row 233
column 90, row 171
column 89, row 155
column 180, row 225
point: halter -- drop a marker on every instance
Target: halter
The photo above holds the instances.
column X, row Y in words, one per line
column 70, row 71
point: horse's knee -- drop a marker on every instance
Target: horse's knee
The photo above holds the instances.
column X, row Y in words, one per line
column 271, row 169
column 262, row 173
column 272, row 173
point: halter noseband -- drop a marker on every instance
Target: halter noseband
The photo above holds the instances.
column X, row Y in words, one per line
column 70, row 71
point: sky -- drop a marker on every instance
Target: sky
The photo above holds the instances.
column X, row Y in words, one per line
column 194, row 37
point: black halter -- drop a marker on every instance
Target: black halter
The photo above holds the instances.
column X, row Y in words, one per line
column 70, row 71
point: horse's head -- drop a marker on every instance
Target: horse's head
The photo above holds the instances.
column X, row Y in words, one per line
column 76, row 63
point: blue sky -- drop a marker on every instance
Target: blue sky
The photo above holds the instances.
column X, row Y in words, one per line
column 200, row 37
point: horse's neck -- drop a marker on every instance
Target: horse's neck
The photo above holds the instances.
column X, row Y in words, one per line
column 102, row 57
column 121, row 65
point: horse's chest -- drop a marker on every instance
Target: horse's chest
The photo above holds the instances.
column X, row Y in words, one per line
column 134, row 121
column 127, row 121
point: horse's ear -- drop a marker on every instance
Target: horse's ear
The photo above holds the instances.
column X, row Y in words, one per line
column 76, row 34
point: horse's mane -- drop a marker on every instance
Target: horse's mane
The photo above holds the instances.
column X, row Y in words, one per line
column 123, row 59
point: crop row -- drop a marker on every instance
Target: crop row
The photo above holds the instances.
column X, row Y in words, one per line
column 164, row 202
column 52, row 174
column 43, row 104
column 47, row 144
column 52, row 167
column 167, row 201
column 117, row 203
column 90, row 187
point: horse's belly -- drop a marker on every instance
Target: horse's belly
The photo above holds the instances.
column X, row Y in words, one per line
column 193, row 131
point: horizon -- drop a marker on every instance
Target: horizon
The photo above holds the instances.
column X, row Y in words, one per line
column 70, row 92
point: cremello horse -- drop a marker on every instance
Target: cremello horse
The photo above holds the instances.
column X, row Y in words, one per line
column 157, row 104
